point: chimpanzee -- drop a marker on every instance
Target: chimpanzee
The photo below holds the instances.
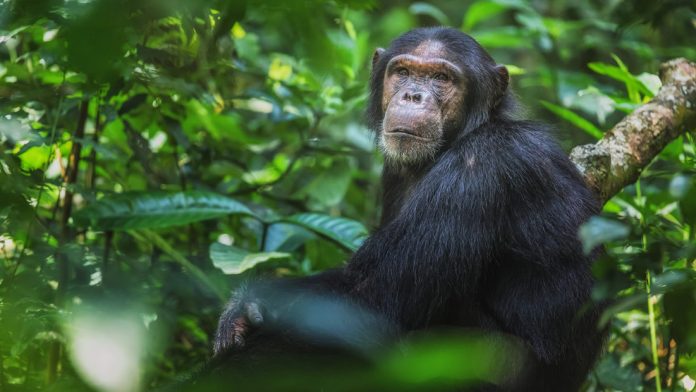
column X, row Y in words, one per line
column 481, row 212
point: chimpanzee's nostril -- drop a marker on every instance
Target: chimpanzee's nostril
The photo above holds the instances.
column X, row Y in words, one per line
column 414, row 97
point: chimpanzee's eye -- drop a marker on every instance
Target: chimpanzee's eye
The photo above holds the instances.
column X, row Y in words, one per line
column 440, row 77
column 402, row 71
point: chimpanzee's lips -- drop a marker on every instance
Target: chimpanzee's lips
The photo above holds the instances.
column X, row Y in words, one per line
column 405, row 132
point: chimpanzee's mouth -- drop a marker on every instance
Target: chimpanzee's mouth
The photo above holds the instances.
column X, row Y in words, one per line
column 405, row 132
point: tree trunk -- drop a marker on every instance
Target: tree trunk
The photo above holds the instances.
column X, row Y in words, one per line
column 619, row 157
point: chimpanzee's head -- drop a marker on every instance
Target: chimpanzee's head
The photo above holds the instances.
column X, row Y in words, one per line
column 430, row 86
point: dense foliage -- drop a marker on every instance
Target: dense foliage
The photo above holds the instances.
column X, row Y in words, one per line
column 155, row 154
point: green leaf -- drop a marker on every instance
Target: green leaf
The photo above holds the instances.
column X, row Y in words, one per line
column 232, row 260
column 329, row 187
column 574, row 119
column 149, row 210
column 514, row 70
column 430, row 10
column 480, row 11
column 672, row 280
column 221, row 126
column 532, row 21
column 600, row 230
column 346, row 232
column 503, row 37
column 285, row 237
column 634, row 86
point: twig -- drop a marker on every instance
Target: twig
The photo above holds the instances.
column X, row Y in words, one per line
column 54, row 354
column 91, row 177
column 108, row 241
column 653, row 333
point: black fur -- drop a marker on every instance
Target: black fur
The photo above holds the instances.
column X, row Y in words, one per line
column 485, row 235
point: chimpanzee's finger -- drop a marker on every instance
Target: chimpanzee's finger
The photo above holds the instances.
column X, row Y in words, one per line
column 239, row 329
column 238, row 340
column 254, row 313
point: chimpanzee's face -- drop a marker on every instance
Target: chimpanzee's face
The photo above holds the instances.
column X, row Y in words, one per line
column 423, row 95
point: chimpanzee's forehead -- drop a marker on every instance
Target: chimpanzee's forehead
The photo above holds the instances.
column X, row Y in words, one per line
column 430, row 49
column 429, row 54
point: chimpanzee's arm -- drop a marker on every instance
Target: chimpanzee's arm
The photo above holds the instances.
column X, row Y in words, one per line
column 504, row 190
column 255, row 302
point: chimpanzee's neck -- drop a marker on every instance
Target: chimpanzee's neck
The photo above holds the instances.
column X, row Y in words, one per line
column 398, row 180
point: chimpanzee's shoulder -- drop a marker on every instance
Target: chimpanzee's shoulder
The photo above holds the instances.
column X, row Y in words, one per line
column 505, row 136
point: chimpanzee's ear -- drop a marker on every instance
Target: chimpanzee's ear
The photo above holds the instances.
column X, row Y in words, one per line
column 503, row 77
column 376, row 56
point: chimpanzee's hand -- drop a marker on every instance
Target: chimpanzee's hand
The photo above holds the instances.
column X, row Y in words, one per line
column 242, row 314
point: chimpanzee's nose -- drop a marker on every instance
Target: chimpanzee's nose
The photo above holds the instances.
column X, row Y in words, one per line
column 414, row 97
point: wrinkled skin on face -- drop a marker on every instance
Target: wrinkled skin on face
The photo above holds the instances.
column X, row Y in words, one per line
column 422, row 97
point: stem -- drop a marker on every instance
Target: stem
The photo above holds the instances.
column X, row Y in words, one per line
column 3, row 380
column 675, row 368
column 653, row 334
column 264, row 234
column 648, row 281
column 73, row 171
column 281, row 177
column 53, row 361
column 108, row 240
column 92, row 160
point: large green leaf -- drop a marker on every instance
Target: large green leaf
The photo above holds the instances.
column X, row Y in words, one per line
column 346, row 232
column 503, row 37
column 285, row 237
column 232, row 260
column 149, row 210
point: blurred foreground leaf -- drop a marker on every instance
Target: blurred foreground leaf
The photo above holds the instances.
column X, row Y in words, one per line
column 598, row 230
column 455, row 360
column 622, row 378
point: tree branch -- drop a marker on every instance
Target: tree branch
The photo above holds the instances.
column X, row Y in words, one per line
column 619, row 157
